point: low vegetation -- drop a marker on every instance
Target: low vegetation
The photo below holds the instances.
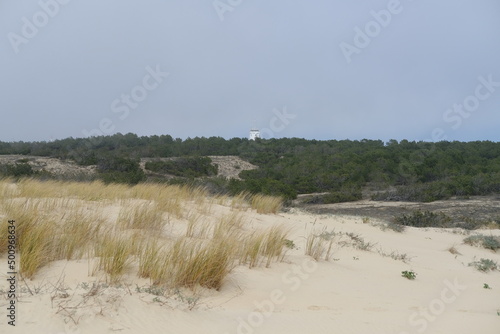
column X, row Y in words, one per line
column 484, row 265
column 184, row 167
column 266, row 204
column 59, row 220
column 319, row 245
column 393, row 226
column 409, row 274
column 424, row 219
column 396, row 170
column 484, row 241
column 19, row 169
column 346, row 194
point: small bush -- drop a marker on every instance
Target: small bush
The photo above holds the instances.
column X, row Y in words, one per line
column 395, row 256
column 17, row 170
column 411, row 275
column 424, row 219
column 484, row 265
column 360, row 243
column 290, row 244
column 396, row 227
column 120, row 170
column 485, row 241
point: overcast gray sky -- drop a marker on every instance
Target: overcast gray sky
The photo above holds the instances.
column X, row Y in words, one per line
column 324, row 69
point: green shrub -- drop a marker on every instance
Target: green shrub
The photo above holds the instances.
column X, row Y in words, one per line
column 184, row 167
column 427, row 192
column 485, row 241
column 484, row 265
column 411, row 275
column 344, row 195
column 120, row 170
column 424, row 219
column 17, row 169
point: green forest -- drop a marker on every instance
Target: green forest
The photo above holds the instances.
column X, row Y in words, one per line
column 394, row 170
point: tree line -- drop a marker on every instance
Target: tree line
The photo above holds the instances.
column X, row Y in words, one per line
column 395, row 170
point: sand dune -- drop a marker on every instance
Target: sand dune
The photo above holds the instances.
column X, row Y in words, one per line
column 356, row 291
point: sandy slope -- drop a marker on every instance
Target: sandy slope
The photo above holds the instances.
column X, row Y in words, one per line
column 355, row 292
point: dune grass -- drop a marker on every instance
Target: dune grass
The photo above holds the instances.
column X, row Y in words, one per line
column 251, row 249
column 145, row 216
column 59, row 221
column 263, row 246
column 36, row 247
column 197, row 227
column 75, row 234
column 204, row 265
column 319, row 245
column 266, row 204
column 150, row 259
column 34, row 233
column 114, row 253
column 273, row 244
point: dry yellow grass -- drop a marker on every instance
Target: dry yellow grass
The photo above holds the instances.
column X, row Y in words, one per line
column 197, row 227
column 319, row 245
column 228, row 225
column 145, row 216
column 205, row 265
column 59, row 220
column 251, row 248
column 240, row 201
column 274, row 243
column 114, row 253
column 150, row 258
column 36, row 248
column 266, row 204
column 76, row 233
column 263, row 246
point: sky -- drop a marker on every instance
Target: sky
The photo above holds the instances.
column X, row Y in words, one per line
column 322, row 69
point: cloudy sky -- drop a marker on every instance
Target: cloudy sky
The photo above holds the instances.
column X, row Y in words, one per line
column 322, row 69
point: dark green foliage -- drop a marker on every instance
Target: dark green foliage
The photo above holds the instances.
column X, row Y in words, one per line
column 461, row 186
column 347, row 194
column 264, row 185
column 409, row 274
column 419, row 171
column 184, row 167
column 431, row 219
column 427, row 192
column 16, row 170
column 120, row 170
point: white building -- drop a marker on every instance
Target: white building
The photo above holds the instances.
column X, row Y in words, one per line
column 254, row 134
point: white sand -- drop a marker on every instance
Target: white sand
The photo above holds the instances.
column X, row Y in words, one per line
column 355, row 292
